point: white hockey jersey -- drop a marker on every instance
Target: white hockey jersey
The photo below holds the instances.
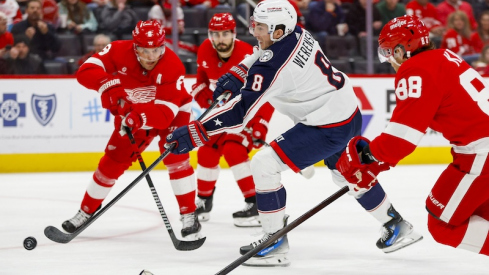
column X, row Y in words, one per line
column 298, row 80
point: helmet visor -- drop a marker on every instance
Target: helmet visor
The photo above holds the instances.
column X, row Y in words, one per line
column 384, row 54
column 150, row 54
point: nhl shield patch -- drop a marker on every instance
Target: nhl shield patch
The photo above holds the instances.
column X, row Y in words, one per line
column 266, row 55
column 43, row 107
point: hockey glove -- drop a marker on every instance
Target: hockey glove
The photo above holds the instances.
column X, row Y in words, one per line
column 259, row 129
column 112, row 94
column 134, row 121
column 362, row 175
column 202, row 95
column 231, row 82
column 187, row 137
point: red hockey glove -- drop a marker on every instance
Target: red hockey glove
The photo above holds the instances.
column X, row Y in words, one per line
column 231, row 82
column 112, row 94
column 364, row 176
column 259, row 130
column 134, row 121
column 243, row 138
column 202, row 95
column 187, row 137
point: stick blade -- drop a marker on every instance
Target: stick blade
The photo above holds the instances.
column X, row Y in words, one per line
column 189, row 245
column 55, row 235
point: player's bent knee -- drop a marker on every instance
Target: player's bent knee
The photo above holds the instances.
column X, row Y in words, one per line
column 265, row 168
column 443, row 233
column 111, row 168
column 234, row 152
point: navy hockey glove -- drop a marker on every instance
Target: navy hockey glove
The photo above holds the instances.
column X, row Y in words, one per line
column 187, row 137
column 231, row 82
column 356, row 171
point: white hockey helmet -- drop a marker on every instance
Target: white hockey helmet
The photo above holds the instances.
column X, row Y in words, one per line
column 274, row 13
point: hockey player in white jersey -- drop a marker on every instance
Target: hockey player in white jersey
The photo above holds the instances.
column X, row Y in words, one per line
column 292, row 73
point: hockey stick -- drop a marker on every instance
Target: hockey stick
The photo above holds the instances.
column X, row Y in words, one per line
column 179, row 244
column 56, row 235
column 307, row 172
column 284, row 231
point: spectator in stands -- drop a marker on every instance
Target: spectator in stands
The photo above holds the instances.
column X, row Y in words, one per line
column 479, row 7
column 21, row 61
column 6, row 38
column 482, row 64
column 325, row 18
column 390, row 9
column 79, row 19
column 457, row 37
column 447, row 7
column 356, row 17
column 12, row 11
column 50, row 12
column 427, row 13
column 200, row 4
column 43, row 39
column 117, row 18
column 302, row 4
column 480, row 38
column 162, row 12
column 99, row 43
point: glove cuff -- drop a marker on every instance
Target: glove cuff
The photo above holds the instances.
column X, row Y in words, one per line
column 239, row 72
column 109, row 84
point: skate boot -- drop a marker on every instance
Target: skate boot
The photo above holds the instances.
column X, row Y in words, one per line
column 397, row 233
column 190, row 226
column 204, row 207
column 74, row 223
column 274, row 254
column 248, row 217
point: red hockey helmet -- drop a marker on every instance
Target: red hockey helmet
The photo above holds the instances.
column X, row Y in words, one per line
column 222, row 22
column 148, row 34
column 407, row 32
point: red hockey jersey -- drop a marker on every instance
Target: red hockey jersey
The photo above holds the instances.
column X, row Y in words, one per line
column 456, row 43
column 434, row 89
column 211, row 67
column 160, row 93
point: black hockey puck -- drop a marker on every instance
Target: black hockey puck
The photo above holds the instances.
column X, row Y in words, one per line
column 30, row 243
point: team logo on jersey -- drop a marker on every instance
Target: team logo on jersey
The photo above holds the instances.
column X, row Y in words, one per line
column 43, row 107
column 141, row 95
column 204, row 64
column 266, row 55
column 11, row 110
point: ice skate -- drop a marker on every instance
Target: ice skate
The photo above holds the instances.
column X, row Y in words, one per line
column 190, row 227
column 247, row 217
column 74, row 223
column 273, row 255
column 397, row 233
column 204, row 206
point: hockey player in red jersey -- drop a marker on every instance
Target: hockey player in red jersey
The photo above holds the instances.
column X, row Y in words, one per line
column 435, row 89
column 141, row 82
column 216, row 56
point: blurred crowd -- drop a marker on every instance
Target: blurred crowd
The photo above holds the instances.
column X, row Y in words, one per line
column 34, row 33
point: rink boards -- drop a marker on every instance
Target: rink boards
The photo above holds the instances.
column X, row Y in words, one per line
column 55, row 124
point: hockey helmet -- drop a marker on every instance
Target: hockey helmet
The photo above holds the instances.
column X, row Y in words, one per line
column 148, row 34
column 222, row 22
column 407, row 32
column 274, row 13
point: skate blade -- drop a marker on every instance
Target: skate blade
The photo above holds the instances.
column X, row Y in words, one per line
column 193, row 237
column 269, row 260
column 247, row 222
column 203, row 217
column 407, row 240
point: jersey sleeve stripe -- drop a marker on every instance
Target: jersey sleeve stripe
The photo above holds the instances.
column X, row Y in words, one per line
column 174, row 108
column 187, row 108
column 404, row 132
column 96, row 61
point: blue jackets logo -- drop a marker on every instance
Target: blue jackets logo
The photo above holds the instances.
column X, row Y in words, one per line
column 43, row 107
column 11, row 110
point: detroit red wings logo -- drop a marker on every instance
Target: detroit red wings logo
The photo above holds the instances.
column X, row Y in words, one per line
column 141, row 95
